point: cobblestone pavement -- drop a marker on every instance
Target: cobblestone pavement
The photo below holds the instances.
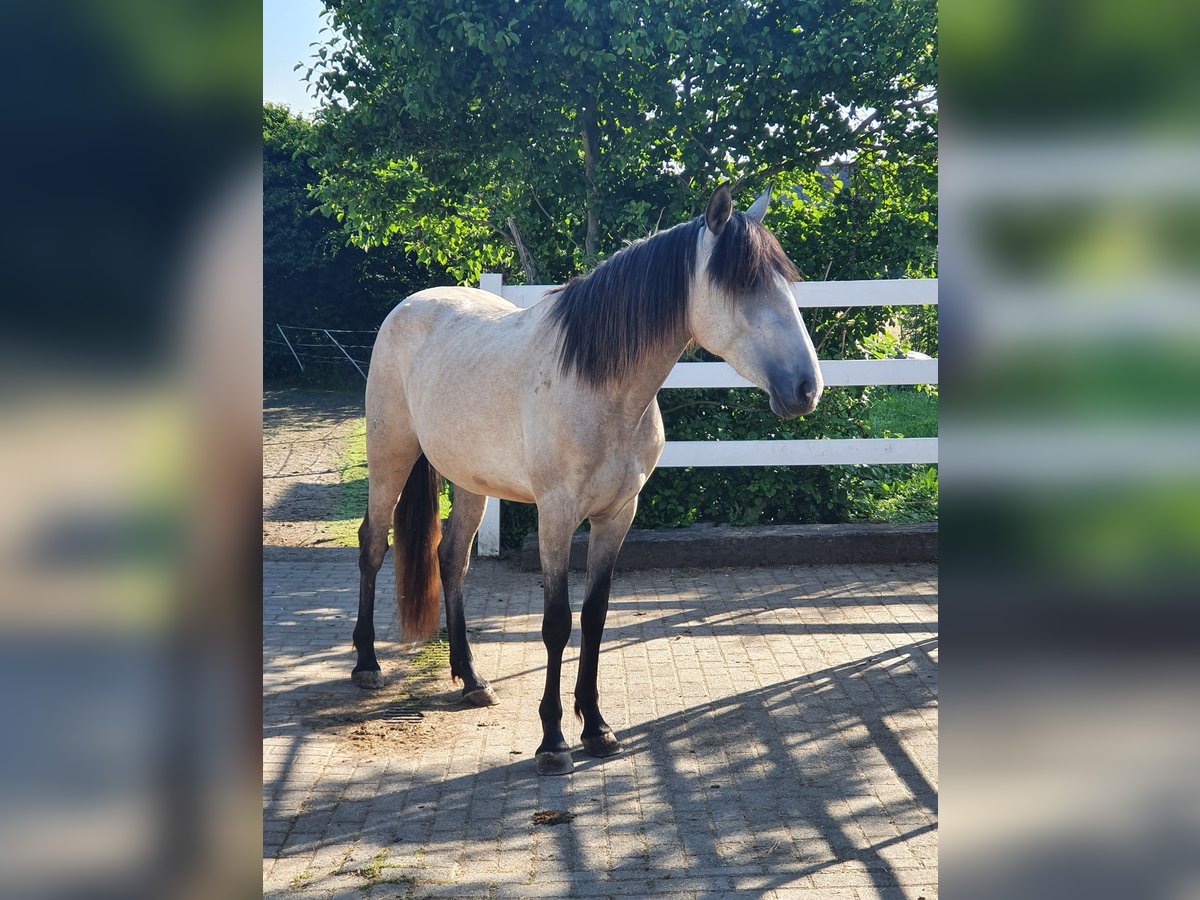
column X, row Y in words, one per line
column 779, row 726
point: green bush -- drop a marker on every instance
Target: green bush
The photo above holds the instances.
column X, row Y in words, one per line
column 516, row 521
column 899, row 493
column 748, row 495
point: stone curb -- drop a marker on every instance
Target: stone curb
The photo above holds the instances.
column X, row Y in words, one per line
column 715, row 546
column 718, row 546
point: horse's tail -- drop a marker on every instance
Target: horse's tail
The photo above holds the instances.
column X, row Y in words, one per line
column 417, row 536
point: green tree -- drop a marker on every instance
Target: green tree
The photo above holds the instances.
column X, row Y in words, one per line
column 294, row 241
column 586, row 123
column 311, row 278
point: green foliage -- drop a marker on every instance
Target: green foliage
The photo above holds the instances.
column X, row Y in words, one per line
column 310, row 277
column 875, row 217
column 919, row 327
column 516, row 521
column 589, row 123
column 898, row 494
column 293, row 241
column 875, row 220
column 895, row 341
column 750, row 495
column 902, row 412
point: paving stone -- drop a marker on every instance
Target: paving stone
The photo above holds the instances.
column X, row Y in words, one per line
column 779, row 726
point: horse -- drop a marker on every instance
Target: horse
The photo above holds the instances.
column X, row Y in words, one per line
column 556, row 405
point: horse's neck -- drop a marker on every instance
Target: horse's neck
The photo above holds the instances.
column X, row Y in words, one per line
column 641, row 385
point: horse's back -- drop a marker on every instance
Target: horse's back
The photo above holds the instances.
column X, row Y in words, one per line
column 456, row 302
column 434, row 313
column 456, row 360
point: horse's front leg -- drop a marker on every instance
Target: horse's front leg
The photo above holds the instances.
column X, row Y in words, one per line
column 554, row 539
column 605, row 543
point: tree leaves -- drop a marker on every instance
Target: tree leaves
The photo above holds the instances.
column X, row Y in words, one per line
column 487, row 97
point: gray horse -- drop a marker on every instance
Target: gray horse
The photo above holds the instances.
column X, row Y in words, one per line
column 556, row 405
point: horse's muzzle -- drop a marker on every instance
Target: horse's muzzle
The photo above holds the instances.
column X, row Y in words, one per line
column 800, row 400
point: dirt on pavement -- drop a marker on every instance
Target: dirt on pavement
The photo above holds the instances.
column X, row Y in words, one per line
column 305, row 434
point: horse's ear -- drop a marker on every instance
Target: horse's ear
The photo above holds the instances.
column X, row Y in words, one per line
column 758, row 211
column 720, row 208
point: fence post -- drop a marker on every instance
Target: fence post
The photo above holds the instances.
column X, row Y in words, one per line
column 488, row 542
column 289, row 346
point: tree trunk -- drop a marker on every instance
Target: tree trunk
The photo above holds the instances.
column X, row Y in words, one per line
column 591, row 241
column 528, row 263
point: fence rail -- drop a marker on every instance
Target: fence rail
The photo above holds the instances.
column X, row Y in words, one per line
column 858, row 451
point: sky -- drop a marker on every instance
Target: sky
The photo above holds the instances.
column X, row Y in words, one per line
column 289, row 26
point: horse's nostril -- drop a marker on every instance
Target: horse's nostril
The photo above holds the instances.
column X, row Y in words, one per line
column 807, row 388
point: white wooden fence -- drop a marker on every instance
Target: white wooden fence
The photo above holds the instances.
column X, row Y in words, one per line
column 818, row 452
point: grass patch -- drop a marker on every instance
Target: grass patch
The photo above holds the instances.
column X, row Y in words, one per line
column 901, row 494
column 352, row 473
column 406, row 880
column 433, row 658
column 902, row 412
column 299, row 881
column 372, row 870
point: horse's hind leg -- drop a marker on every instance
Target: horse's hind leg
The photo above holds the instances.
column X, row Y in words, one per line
column 372, row 545
column 603, row 546
column 389, row 463
column 454, row 556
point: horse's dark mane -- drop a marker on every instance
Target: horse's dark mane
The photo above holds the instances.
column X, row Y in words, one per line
column 636, row 301
column 629, row 306
column 746, row 256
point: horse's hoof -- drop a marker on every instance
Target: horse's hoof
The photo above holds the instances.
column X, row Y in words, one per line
column 368, row 679
column 601, row 745
column 483, row 696
column 550, row 763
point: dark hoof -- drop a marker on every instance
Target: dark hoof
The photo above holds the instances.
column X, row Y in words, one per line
column 368, row 679
column 549, row 763
column 601, row 745
column 483, row 696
